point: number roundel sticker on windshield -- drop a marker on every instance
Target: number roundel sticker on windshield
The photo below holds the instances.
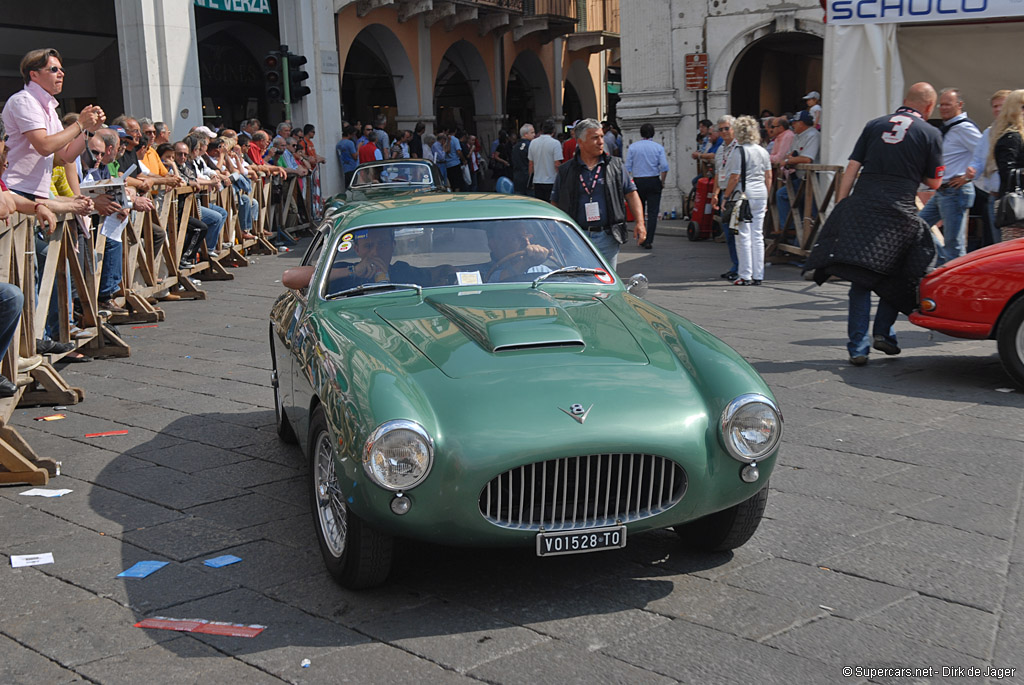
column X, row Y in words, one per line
column 604, row 277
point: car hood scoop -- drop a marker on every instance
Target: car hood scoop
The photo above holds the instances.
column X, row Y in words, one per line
column 473, row 332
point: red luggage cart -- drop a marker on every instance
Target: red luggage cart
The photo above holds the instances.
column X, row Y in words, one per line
column 702, row 221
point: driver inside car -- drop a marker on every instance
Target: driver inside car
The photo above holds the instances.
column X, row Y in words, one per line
column 375, row 249
column 513, row 256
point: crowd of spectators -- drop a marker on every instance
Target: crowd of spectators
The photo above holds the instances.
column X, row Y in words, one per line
column 49, row 164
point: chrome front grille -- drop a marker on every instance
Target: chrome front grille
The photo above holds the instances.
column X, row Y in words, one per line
column 583, row 492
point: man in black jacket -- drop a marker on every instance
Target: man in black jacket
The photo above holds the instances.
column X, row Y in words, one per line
column 874, row 238
column 593, row 189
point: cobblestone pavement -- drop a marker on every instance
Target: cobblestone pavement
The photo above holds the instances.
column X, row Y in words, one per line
column 892, row 536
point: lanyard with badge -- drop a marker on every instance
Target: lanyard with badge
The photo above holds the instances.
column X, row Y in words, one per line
column 592, row 208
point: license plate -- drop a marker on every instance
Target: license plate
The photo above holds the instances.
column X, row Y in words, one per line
column 579, row 541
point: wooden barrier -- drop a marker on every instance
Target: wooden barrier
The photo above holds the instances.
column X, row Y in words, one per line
column 789, row 239
column 146, row 273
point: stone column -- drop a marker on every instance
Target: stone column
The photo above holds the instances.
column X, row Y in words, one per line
column 307, row 28
column 159, row 62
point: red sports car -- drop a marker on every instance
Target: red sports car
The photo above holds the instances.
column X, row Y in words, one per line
column 980, row 296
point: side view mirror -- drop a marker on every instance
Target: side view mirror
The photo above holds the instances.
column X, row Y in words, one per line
column 637, row 285
column 298, row 277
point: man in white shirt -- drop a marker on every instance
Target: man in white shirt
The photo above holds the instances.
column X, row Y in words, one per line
column 986, row 186
column 955, row 196
column 545, row 154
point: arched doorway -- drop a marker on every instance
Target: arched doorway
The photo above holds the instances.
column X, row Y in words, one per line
column 528, row 93
column 579, row 88
column 775, row 72
column 462, row 89
column 378, row 78
column 572, row 106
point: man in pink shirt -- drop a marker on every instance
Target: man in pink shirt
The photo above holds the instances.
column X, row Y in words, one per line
column 782, row 139
column 37, row 140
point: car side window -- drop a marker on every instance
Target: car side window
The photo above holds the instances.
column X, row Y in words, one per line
column 314, row 250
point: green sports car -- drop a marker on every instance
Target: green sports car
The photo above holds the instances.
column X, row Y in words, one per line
column 466, row 369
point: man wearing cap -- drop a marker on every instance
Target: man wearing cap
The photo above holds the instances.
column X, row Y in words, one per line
column 813, row 100
column 806, row 143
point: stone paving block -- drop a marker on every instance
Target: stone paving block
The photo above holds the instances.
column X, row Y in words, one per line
column 22, row 665
column 247, row 510
column 178, row 660
column 170, row 488
column 972, row 454
column 186, row 538
column 827, row 514
column 927, row 574
column 989, row 489
column 945, row 624
column 24, row 524
column 456, row 637
column 839, row 642
column 825, row 461
column 108, row 511
column 293, row 491
column 375, row 663
column 248, row 474
column 846, row 595
column 191, row 457
column 563, row 663
column 801, row 541
column 696, row 654
column 852, row 490
column 298, row 532
column 1009, row 643
column 752, row 615
column 28, row 590
column 211, row 430
column 932, row 539
column 966, row 515
column 70, row 637
column 320, row 595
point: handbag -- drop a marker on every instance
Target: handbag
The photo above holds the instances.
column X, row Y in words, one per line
column 1010, row 207
column 737, row 208
column 467, row 176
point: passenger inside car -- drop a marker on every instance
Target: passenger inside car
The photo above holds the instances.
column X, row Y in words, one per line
column 375, row 249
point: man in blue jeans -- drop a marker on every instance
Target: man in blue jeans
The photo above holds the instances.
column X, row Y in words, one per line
column 11, row 302
column 955, row 196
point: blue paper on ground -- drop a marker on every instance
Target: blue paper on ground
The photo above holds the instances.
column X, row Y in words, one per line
column 142, row 569
column 224, row 560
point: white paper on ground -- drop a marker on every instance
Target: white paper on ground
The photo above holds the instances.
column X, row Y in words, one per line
column 43, row 492
column 113, row 227
column 19, row 560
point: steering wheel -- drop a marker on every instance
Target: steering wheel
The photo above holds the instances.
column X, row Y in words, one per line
column 503, row 260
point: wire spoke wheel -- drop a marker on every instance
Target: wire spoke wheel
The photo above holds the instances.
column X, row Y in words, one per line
column 331, row 510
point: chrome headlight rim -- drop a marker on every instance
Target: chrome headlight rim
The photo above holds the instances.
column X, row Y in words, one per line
column 389, row 427
column 730, row 412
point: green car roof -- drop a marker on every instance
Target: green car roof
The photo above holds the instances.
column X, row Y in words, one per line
column 447, row 207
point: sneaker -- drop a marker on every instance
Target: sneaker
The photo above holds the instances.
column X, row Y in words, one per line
column 884, row 345
column 859, row 360
column 741, row 281
column 47, row 346
column 112, row 307
column 729, row 275
column 7, row 388
column 756, row 281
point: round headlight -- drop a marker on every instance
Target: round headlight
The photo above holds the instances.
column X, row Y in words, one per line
column 398, row 455
column 751, row 427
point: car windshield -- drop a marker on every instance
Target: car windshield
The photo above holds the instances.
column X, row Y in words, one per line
column 405, row 173
column 461, row 253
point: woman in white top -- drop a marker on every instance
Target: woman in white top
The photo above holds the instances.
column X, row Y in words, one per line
column 750, row 241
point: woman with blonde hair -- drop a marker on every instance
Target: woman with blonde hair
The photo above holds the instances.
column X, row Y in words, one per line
column 1007, row 141
column 750, row 169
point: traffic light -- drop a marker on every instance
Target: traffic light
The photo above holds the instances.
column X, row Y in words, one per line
column 273, row 76
column 296, row 76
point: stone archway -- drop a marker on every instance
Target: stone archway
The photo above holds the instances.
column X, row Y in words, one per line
column 528, row 92
column 775, row 72
column 378, row 77
column 578, row 76
column 462, row 89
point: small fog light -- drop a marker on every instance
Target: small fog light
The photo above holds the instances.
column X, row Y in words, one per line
column 928, row 305
column 748, row 473
column 400, row 504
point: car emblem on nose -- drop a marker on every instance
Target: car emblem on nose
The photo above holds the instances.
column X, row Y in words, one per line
column 577, row 412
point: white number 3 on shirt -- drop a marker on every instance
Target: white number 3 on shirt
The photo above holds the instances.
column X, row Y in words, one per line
column 900, row 124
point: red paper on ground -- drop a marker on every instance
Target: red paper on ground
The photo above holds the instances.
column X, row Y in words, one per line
column 102, row 435
column 200, row 625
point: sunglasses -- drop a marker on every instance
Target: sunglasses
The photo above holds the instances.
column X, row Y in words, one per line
column 52, row 70
column 724, row 128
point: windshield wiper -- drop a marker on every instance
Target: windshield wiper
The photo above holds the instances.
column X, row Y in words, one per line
column 568, row 271
column 368, row 287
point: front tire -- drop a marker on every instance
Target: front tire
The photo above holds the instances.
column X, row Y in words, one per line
column 356, row 555
column 692, row 232
column 726, row 529
column 1011, row 341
